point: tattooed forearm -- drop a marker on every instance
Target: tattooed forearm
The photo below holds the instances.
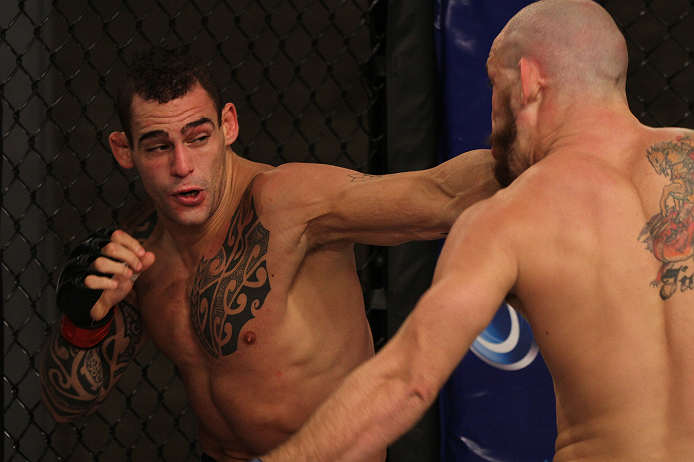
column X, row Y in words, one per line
column 71, row 379
column 76, row 381
column 145, row 228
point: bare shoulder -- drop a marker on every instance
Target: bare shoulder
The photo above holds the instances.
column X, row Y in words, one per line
column 551, row 196
column 297, row 178
column 303, row 185
column 672, row 134
column 141, row 220
column 490, row 223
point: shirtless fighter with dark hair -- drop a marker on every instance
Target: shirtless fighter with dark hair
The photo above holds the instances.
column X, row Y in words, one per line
column 254, row 293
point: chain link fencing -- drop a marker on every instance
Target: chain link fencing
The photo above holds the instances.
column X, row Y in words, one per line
column 660, row 84
column 302, row 75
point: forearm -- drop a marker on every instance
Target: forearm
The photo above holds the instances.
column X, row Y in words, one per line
column 74, row 380
column 465, row 180
column 371, row 409
column 436, row 197
column 342, row 205
column 385, row 396
column 100, row 332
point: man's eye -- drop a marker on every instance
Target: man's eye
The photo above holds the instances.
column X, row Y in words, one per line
column 158, row 148
column 490, row 84
column 201, row 139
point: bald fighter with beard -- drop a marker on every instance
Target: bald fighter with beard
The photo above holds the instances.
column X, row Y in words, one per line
column 594, row 241
column 241, row 273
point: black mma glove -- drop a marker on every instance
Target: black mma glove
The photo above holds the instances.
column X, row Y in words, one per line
column 75, row 299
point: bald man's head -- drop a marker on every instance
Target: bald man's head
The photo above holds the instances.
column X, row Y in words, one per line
column 576, row 42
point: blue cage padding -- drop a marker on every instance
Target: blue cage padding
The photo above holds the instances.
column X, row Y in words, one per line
column 498, row 405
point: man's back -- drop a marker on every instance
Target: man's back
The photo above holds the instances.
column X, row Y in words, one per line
column 606, row 283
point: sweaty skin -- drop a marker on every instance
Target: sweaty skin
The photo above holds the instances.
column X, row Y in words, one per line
column 254, row 293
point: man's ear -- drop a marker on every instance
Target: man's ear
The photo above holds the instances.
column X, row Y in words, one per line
column 531, row 80
column 121, row 149
column 230, row 124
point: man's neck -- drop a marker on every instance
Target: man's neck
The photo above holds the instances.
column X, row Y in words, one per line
column 192, row 241
column 590, row 128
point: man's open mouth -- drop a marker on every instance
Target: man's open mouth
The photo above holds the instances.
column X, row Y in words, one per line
column 191, row 193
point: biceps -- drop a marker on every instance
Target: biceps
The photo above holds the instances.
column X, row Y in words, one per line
column 449, row 319
column 453, row 312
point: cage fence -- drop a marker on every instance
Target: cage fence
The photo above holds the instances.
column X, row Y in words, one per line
column 301, row 74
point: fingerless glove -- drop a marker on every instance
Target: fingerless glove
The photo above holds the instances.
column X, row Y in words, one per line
column 75, row 300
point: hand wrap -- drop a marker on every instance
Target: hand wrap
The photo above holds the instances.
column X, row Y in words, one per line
column 76, row 300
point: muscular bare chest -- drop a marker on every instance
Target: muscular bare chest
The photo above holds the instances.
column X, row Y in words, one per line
column 230, row 287
column 204, row 307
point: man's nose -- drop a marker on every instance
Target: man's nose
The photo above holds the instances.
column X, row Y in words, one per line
column 181, row 163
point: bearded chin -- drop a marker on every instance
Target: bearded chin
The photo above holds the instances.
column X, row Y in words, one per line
column 502, row 172
column 503, row 141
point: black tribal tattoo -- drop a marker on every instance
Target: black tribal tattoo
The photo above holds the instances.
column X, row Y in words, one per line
column 141, row 221
column 231, row 286
column 76, row 380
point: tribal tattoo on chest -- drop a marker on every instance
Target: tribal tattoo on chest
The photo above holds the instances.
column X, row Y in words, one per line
column 669, row 235
column 231, row 287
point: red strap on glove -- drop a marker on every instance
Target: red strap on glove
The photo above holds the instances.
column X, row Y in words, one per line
column 80, row 337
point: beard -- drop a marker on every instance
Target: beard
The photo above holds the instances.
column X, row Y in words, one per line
column 503, row 140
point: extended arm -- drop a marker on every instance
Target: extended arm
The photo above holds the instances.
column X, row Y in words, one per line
column 388, row 394
column 341, row 204
column 100, row 333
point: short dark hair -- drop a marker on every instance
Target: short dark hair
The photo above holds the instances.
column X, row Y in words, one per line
column 163, row 73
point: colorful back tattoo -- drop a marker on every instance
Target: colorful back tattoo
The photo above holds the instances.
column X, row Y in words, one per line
column 669, row 235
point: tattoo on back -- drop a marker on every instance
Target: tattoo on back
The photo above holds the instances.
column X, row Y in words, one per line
column 670, row 233
column 231, row 286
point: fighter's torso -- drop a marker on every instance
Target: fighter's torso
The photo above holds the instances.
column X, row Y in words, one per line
column 610, row 297
column 261, row 326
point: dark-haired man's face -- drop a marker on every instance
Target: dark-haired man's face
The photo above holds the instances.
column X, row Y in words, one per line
column 179, row 149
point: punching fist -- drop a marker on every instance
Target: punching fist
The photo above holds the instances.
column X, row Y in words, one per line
column 74, row 298
column 99, row 274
